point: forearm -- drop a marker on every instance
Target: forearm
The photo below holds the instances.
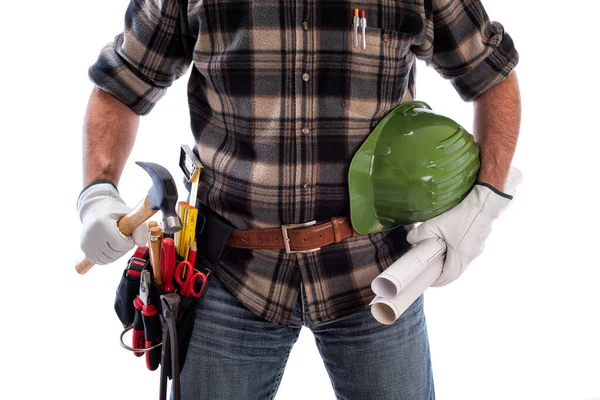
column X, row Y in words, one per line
column 109, row 133
column 497, row 122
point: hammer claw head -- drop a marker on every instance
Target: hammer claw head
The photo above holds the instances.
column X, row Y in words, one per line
column 163, row 195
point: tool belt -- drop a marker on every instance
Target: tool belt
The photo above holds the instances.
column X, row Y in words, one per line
column 161, row 321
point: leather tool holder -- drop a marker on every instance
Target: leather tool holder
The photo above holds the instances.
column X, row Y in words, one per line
column 127, row 292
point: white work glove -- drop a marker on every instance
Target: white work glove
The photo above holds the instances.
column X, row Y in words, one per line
column 465, row 227
column 100, row 208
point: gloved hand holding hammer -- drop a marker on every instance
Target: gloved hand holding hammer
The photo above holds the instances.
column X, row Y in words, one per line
column 110, row 228
column 100, row 207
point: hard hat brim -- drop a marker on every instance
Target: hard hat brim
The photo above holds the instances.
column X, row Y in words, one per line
column 362, row 215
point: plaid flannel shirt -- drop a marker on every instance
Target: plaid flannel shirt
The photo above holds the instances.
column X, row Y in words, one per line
column 280, row 100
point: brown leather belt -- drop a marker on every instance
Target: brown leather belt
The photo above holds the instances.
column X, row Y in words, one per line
column 294, row 238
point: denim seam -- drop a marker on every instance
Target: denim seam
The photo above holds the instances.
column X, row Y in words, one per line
column 281, row 369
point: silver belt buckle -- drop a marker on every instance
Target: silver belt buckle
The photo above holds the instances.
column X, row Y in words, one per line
column 286, row 239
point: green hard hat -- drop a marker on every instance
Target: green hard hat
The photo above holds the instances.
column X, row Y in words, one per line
column 415, row 165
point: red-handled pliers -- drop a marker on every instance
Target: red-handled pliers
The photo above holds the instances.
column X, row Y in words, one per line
column 152, row 330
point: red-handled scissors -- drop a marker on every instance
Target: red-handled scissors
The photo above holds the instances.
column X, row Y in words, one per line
column 191, row 282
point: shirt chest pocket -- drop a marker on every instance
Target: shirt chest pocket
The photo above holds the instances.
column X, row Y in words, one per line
column 376, row 77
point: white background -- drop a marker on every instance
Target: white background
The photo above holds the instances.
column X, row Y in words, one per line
column 522, row 323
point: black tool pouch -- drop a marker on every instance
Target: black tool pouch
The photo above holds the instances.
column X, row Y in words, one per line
column 127, row 291
column 129, row 287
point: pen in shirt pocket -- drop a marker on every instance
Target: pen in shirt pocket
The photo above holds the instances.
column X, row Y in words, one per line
column 362, row 22
column 355, row 23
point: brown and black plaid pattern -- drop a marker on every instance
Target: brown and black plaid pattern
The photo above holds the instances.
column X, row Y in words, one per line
column 280, row 100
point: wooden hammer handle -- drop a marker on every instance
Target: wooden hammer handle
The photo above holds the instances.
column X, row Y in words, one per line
column 126, row 225
column 84, row 266
column 155, row 237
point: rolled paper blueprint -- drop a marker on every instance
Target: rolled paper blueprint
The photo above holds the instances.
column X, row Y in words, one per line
column 388, row 310
column 407, row 268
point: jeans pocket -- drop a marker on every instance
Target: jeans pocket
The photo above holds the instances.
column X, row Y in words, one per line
column 376, row 77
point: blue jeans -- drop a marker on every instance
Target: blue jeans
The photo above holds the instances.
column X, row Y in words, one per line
column 235, row 355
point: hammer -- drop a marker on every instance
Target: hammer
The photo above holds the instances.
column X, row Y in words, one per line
column 162, row 195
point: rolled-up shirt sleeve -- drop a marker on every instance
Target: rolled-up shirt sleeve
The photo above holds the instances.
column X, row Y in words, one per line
column 464, row 46
column 145, row 59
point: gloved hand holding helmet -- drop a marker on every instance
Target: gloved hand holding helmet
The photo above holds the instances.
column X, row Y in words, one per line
column 419, row 166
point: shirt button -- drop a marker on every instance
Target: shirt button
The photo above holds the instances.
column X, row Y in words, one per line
column 305, row 77
column 305, row 130
column 305, row 184
column 305, row 25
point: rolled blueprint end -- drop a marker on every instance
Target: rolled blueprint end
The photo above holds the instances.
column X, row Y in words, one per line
column 407, row 268
column 384, row 311
column 386, row 286
column 388, row 310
